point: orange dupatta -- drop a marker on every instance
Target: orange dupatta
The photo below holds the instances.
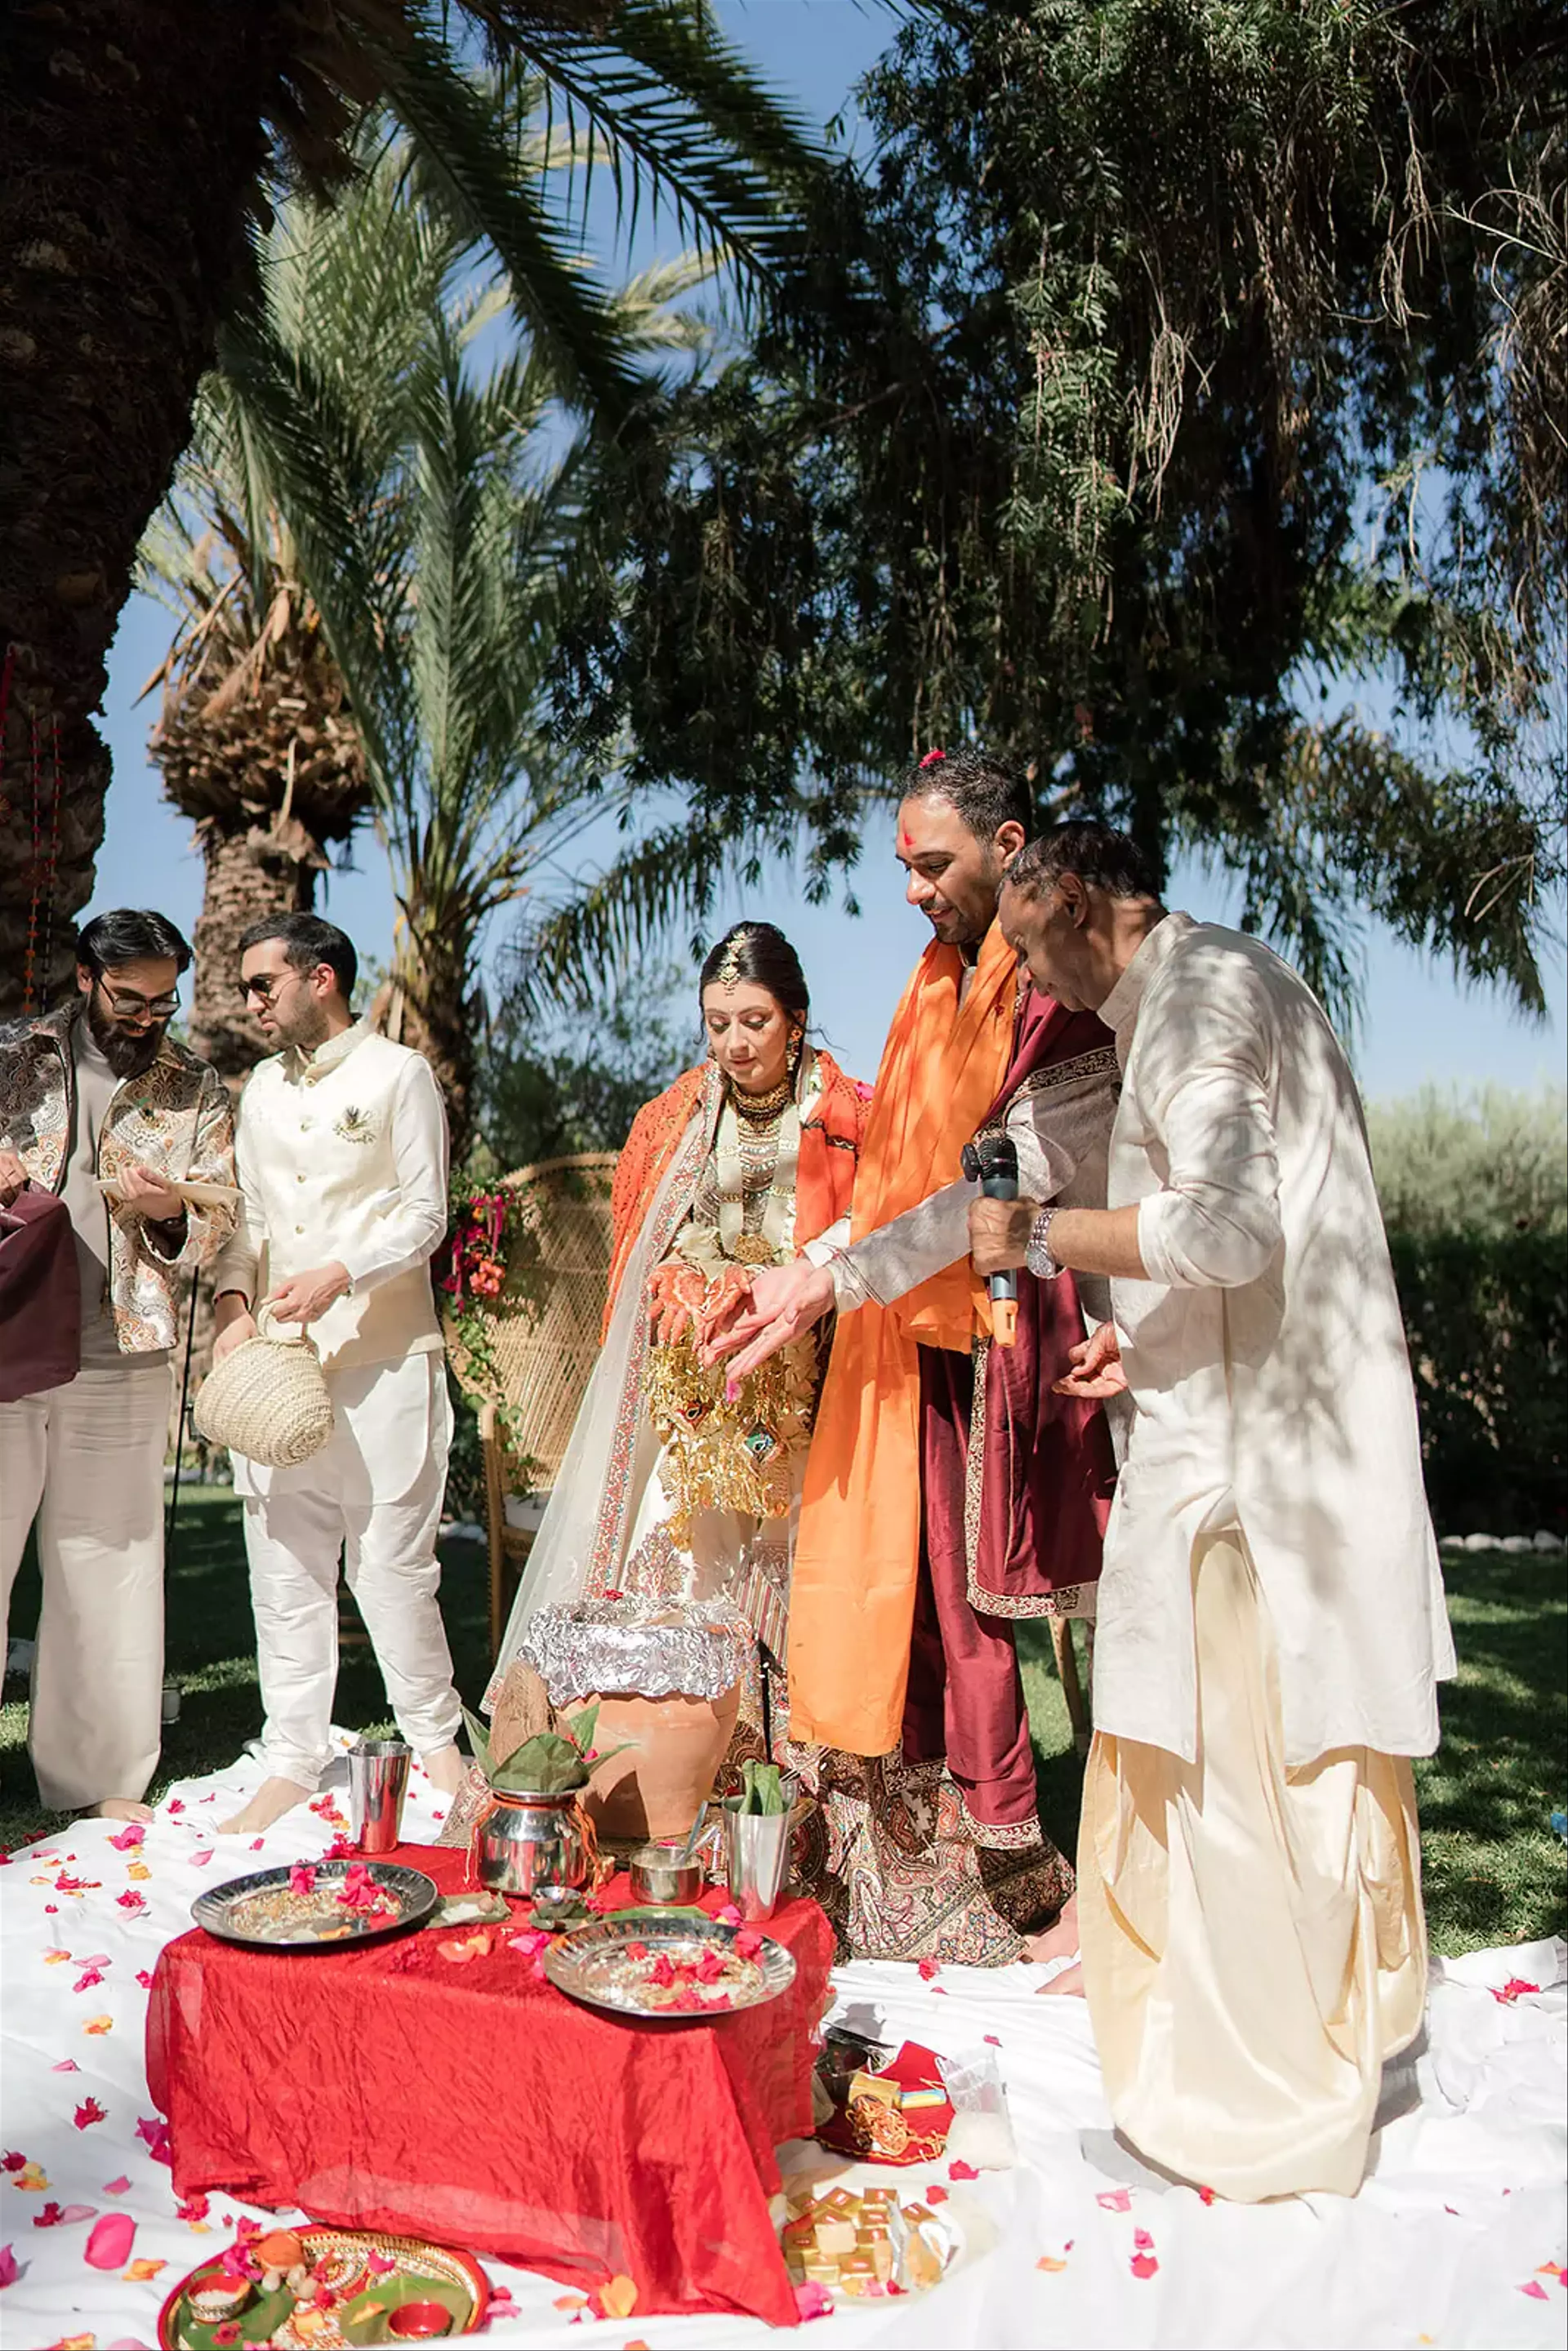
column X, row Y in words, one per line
column 857, row 1554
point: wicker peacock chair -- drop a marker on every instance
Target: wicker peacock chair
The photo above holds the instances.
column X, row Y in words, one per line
column 544, row 1341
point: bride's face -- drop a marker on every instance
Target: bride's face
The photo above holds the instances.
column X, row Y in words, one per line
column 748, row 1031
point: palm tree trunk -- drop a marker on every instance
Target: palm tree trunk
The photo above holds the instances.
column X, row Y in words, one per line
column 426, row 1004
column 132, row 133
column 249, row 876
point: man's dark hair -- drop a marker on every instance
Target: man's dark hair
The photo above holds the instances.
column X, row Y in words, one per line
column 986, row 793
column 130, row 935
column 308, row 941
column 1107, row 860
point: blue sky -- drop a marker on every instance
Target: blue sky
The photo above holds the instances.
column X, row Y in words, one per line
column 1420, row 1026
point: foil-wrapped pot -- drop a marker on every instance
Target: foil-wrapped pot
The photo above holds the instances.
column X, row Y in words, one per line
column 697, row 1650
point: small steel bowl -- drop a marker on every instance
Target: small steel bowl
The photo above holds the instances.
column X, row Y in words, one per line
column 659, row 1876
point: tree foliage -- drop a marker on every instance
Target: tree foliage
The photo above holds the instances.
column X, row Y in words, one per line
column 1494, row 1162
column 1194, row 352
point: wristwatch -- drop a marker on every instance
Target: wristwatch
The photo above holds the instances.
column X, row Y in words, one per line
column 1037, row 1256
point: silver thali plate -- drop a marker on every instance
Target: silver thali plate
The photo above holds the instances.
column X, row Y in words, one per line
column 614, row 1965
column 264, row 1912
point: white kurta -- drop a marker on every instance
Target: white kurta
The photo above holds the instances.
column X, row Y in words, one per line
column 342, row 1157
column 1267, row 1361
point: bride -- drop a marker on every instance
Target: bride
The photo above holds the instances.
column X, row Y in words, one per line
column 673, row 1490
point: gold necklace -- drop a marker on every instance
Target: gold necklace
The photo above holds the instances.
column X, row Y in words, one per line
column 760, row 1106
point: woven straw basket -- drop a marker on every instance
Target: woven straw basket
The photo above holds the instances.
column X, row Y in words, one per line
column 267, row 1399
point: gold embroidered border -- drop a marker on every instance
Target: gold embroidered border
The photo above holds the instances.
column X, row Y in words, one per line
column 1017, row 1837
column 1074, row 1599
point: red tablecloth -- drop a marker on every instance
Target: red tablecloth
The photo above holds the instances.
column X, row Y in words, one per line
column 469, row 2102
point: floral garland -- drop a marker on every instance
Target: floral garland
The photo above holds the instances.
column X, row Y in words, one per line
column 485, row 1226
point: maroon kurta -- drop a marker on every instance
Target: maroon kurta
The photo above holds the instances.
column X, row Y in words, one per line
column 1012, row 1508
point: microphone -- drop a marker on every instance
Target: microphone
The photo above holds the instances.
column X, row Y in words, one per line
column 995, row 1162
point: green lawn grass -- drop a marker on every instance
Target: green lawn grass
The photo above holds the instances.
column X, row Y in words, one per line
column 1494, row 1869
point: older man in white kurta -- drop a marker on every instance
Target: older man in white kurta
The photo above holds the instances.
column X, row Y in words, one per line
column 341, row 1158
column 1271, row 1620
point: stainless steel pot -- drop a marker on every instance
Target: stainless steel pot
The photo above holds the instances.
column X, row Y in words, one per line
column 537, row 1847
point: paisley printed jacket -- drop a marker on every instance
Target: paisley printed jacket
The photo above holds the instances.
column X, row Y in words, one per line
column 175, row 1118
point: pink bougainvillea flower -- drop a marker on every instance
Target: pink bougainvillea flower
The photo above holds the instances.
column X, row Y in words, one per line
column 195, row 2208
column 176, row 1804
column 60, row 2216
column 747, row 1943
column 959, row 2169
column 710, row 1967
column 1514, row 1988
column 89, row 2111
column 109, row 2246
column 1205, row 2196
column 11, row 2160
column 154, row 2131
column 116, row 2187
column 132, row 1834
column 302, row 1879
column 729, row 1915
column 144, row 1978
column 929, row 1967
column 131, row 1900
column 10, row 2269
column 64, row 1885
column 66, row 2065
column 86, row 1980
column 1114, row 2200
column 1143, row 2265
column 813, row 2301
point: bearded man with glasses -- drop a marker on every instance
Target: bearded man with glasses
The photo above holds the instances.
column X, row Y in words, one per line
column 99, row 1093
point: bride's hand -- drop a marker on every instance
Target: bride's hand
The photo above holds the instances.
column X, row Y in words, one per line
column 784, row 1300
column 676, row 1291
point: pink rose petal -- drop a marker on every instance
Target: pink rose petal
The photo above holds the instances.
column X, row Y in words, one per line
column 813, row 2301
column 108, row 2247
column 1143, row 2265
column 10, row 2269
column 66, row 2065
column 131, row 1835
column 959, row 2170
column 1114, row 2200
column 200, row 1860
column 116, row 2187
column 1535, row 2289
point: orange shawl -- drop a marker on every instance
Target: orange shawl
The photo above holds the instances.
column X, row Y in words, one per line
column 829, row 1150
column 857, row 1555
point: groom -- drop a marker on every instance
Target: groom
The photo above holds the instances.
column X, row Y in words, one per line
column 949, row 1492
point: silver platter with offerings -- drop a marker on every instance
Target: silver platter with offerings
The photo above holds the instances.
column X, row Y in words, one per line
column 272, row 1911
column 669, row 1971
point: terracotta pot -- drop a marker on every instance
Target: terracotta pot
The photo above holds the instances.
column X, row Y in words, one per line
column 674, row 1746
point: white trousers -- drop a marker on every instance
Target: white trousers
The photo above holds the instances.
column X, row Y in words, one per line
column 87, row 1461
column 295, row 1535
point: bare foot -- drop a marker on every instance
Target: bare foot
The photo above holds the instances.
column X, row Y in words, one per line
column 118, row 1808
column 1060, row 1940
column 446, row 1767
column 1070, row 1981
column 271, row 1800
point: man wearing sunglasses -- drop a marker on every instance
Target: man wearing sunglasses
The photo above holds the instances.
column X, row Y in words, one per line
column 342, row 1166
column 98, row 1094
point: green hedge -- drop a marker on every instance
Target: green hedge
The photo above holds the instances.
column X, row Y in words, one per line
column 1485, row 1315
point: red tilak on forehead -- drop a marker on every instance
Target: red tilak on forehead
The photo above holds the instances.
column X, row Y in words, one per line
column 904, row 841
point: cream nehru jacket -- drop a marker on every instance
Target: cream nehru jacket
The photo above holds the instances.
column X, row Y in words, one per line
column 343, row 1156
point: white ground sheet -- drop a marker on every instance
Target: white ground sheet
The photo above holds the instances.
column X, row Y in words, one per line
column 1455, row 2239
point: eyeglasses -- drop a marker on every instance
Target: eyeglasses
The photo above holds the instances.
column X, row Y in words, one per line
column 265, row 986
column 126, row 1005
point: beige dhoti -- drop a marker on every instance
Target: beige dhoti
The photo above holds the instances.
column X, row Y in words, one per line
column 1252, row 1935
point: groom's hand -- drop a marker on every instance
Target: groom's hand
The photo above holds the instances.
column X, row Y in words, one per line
column 784, row 1300
column 998, row 1233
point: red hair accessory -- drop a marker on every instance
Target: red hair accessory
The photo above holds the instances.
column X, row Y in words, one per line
column 931, row 758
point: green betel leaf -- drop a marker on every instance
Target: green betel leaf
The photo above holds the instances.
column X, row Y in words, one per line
column 583, row 1729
